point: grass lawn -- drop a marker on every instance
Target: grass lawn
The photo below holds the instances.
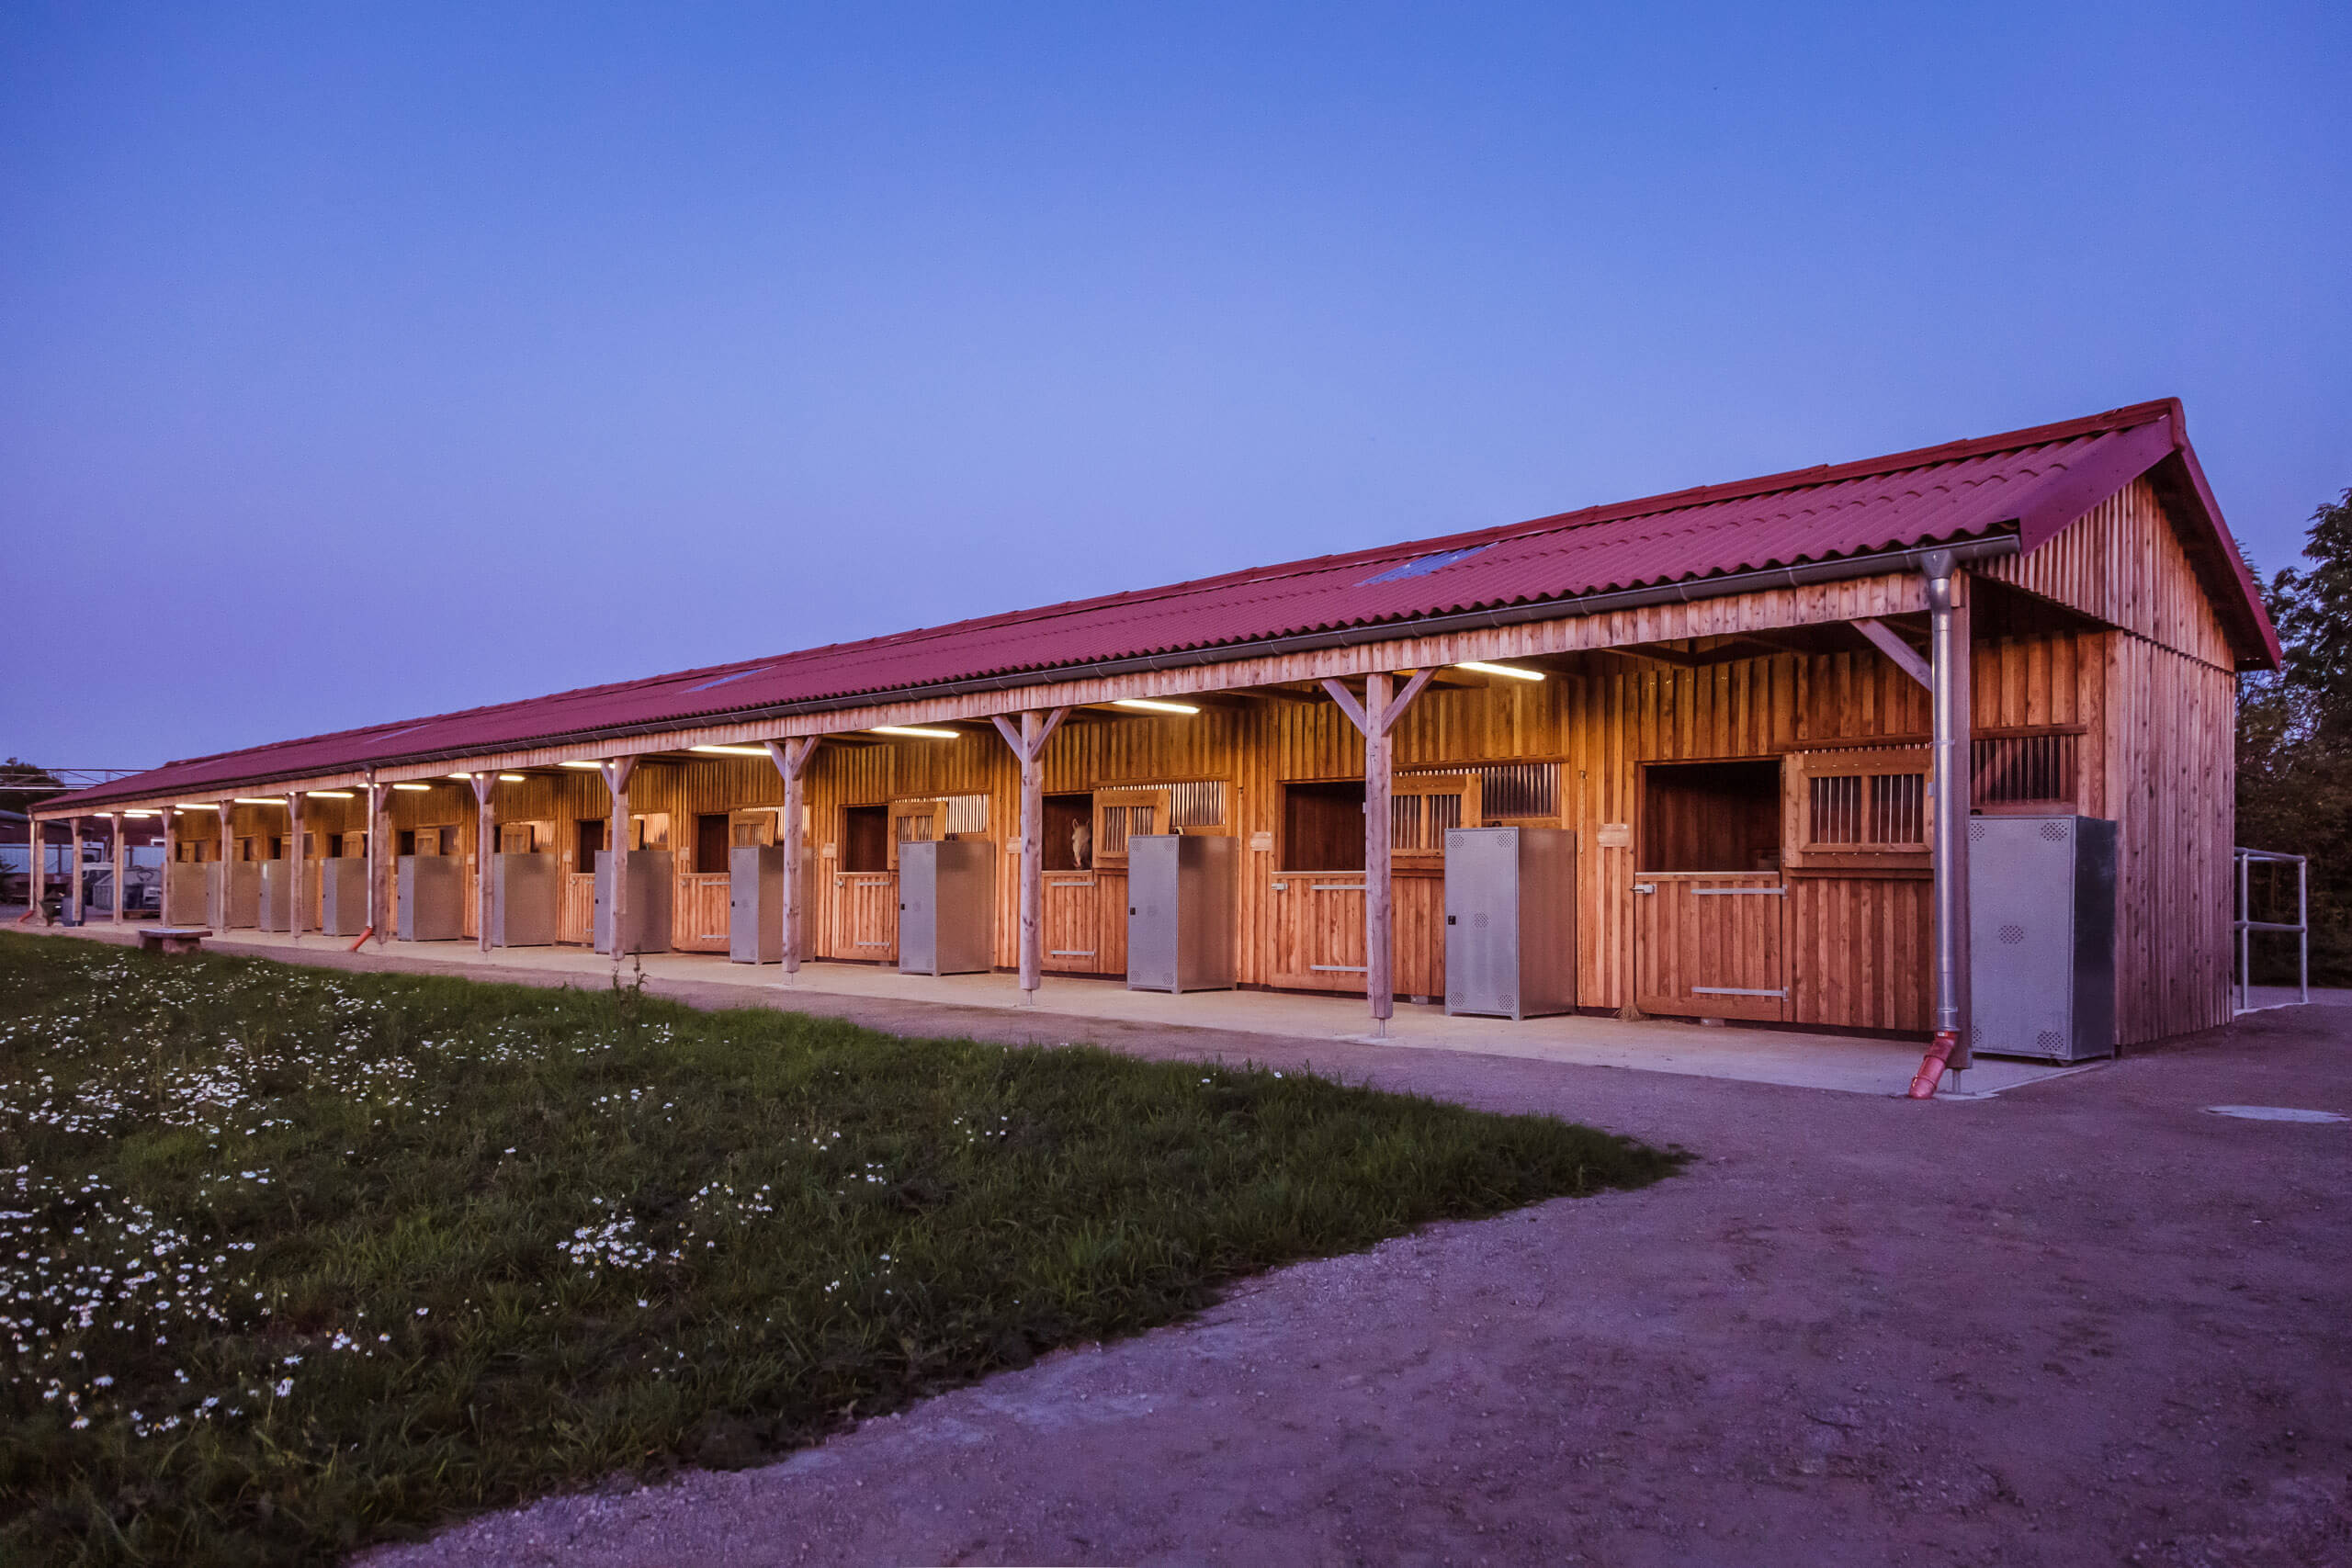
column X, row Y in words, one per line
column 293, row 1259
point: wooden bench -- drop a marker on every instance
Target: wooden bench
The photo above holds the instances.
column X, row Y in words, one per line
column 172, row 938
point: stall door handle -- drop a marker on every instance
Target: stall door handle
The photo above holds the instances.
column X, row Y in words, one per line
column 1644, row 886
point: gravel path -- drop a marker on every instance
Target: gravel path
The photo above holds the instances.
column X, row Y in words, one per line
column 2083, row 1323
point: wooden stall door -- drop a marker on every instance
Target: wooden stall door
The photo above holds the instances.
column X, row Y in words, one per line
column 1111, row 924
column 1710, row 945
column 700, row 919
column 579, row 913
column 1318, row 932
column 865, row 915
column 1074, row 921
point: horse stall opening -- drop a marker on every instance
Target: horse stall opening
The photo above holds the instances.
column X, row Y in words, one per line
column 1710, row 911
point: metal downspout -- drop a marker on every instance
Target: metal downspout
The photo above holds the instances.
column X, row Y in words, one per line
column 1947, row 834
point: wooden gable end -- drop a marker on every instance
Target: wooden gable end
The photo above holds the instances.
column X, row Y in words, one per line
column 2126, row 562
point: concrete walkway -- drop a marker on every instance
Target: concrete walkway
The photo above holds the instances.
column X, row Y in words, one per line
column 1070, row 1009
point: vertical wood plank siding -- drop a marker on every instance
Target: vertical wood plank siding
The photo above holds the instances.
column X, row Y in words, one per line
column 2163, row 701
column 2153, row 698
column 2124, row 563
column 1858, row 945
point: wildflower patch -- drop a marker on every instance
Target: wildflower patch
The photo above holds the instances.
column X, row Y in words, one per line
column 293, row 1259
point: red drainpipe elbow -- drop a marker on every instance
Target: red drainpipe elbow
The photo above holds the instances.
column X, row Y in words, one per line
column 1931, row 1065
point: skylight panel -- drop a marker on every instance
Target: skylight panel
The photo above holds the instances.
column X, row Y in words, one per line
column 1421, row 566
column 728, row 680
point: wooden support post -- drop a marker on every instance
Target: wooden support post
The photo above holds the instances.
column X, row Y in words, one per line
column 73, row 869
column 293, row 865
column 164, row 877
column 1028, row 745
column 217, row 911
column 617, row 773
column 791, row 759
column 1375, row 718
column 115, row 818
column 485, row 828
column 380, row 859
column 1379, row 882
column 37, row 863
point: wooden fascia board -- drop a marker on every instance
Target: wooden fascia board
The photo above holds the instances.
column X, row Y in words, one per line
column 213, row 794
column 2180, row 485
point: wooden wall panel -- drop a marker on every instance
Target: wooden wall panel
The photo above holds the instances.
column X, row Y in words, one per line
column 2170, row 782
column 2124, row 563
column 1861, row 954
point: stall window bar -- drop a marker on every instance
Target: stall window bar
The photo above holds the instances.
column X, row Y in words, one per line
column 1506, row 789
column 1118, row 822
column 2022, row 769
column 1197, row 805
column 1867, row 808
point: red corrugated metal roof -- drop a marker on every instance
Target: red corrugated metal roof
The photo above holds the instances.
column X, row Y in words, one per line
column 2034, row 482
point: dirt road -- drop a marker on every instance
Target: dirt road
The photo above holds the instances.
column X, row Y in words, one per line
column 2087, row 1321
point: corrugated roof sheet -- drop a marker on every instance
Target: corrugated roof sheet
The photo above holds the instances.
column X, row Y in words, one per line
column 2034, row 482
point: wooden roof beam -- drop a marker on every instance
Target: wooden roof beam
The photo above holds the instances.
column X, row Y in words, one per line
column 1901, row 654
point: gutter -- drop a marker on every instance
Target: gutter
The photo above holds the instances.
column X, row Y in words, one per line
column 1687, row 592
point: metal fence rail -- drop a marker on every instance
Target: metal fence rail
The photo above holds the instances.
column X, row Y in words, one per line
column 2245, row 925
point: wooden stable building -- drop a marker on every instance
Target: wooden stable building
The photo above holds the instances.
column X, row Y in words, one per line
column 1729, row 696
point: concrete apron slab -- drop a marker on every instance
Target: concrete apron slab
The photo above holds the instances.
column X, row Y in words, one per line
column 1753, row 1056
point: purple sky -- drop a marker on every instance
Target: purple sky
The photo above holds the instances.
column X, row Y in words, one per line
column 364, row 362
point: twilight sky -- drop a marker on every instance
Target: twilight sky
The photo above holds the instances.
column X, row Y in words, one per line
column 364, row 361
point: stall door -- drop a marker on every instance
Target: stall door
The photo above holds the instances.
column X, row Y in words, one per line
column 1711, row 946
column 1318, row 932
column 1073, row 923
column 866, row 912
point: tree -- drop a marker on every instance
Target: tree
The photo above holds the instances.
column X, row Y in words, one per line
column 2295, row 735
column 24, row 787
